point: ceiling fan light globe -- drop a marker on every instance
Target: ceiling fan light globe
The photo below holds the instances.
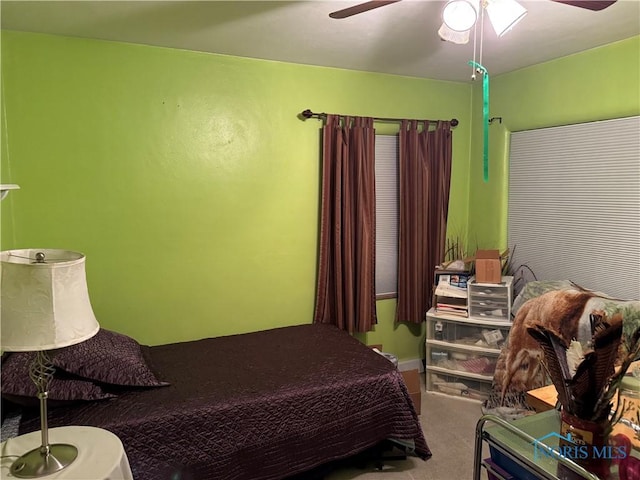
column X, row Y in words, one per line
column 452, row 36
column 460, row 15
column 504, row 14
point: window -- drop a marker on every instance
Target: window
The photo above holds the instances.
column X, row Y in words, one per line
column 574, row 204
column 386, row 216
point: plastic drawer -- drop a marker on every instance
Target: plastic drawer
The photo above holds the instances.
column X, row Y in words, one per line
column 459, row 385
column 466, row 334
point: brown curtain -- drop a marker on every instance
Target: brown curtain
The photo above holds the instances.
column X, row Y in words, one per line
column 345, row 294
column 424, row 178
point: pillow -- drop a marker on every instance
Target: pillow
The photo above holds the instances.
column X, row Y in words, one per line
column 18, row 388
column 108, row 357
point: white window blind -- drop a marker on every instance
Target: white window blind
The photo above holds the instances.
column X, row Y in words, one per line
column 386, row 215
column 574, row 204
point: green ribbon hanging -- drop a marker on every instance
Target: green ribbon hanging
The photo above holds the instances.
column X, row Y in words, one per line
column 485, row 114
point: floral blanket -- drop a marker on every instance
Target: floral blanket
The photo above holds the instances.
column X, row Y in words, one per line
column 561, row 306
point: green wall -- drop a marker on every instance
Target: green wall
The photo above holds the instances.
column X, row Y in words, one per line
column 597, row 84
column 192, row 187
column 188, row 180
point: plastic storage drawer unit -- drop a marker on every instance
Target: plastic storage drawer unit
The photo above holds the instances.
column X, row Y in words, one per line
column 491, row 300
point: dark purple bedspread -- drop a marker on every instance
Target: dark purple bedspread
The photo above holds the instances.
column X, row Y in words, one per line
column 262, row 405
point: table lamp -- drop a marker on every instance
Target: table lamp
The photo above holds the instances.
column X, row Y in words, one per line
column 45, row 306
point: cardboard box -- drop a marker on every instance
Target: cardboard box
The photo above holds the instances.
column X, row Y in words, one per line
column 488, row 266
column 412, row 381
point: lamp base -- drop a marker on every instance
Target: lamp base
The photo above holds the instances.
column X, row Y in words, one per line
column 34, row 463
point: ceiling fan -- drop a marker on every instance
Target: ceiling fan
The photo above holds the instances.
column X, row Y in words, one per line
column 459, row 16
column 366, row 6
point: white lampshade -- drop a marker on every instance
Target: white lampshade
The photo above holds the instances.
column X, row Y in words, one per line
column 460, row 15
column 452, row 36
column 45, row 305
column 504, row 14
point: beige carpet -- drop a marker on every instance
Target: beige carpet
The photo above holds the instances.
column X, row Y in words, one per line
column 449, row 427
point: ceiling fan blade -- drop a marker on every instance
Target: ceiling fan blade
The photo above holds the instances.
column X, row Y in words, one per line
column 595, row 5
column 360, row 8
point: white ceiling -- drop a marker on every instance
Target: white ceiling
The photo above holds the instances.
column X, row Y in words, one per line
column 400, row 38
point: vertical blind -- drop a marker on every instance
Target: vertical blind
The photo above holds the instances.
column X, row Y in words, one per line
column 386, row 152
column 574, row 204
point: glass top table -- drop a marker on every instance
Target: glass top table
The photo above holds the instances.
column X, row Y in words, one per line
column 529, row 446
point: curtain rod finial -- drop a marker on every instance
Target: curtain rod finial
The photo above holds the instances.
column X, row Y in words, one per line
column 454, row 122
column 306, row 114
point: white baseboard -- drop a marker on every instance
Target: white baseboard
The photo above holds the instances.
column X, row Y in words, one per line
column 414, row 364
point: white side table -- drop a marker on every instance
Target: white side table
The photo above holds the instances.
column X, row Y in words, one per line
column 101, row 455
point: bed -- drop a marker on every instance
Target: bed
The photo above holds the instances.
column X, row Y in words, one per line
column 263, row 405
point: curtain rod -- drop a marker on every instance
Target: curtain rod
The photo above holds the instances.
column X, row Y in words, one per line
column 309, row 114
